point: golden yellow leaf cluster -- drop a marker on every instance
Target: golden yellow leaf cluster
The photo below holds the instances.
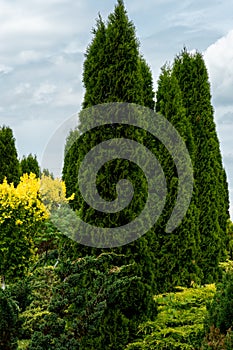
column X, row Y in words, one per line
column 22, row 203
column 53, row 192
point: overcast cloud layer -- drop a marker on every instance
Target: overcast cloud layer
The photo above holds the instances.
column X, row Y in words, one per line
column 42, row 52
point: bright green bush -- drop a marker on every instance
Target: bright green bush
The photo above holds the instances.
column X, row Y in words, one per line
column 179, row 325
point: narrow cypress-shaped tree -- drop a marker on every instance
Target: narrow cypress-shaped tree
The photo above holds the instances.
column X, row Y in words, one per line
column 115, row 72
column 178, row 250
column 29, row 165
column 9, row 164
column 115, row 68
column 69, row 167
column 211, row 186
column 123, row 81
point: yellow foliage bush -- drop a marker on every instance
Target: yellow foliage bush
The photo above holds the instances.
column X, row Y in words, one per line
column 53, row 192
column 23, row 209
column 22, row 204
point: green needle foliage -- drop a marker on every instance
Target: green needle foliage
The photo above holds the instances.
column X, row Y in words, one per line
column 219, row 320
column 220, row 311
column 180, row 321
column 88, row 308
column 114, row 71
column 9, row 164
column 29, row 165
column 94, row 67
column 211, row 195
column 8, row 321
column 177, row 251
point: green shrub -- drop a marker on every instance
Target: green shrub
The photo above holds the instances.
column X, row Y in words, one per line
column 179, row 325
column 220, row 311
column 92, row 303
column 8, row 321
column 219, row 320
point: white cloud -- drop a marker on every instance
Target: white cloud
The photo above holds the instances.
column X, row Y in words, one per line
column 68, row 96
column 73, row 47
column 29, row 56
column 226, row 118
column 5, row 69
column 21, row 26
column 22, row 89
column 31, row 30
column 44, row 93
column 219, row 59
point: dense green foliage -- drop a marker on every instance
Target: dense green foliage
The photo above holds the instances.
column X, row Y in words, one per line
column 114, row 71
column 180, row 321
column 177, row 252
column 29, row 165
column 8, row 321
column 211, row 192
column 85, row 299
column 220, row 311
column 219, row 320
column 9, row 164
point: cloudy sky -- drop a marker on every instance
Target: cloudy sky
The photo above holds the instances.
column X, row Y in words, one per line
column 42, row 45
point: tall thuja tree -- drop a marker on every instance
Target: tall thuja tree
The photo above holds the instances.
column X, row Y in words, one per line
column 114, row 72
column 122, row 79
column 178, row 250
column 29, row 165
column 70, row 159
column 211, row 186
column 9, row 164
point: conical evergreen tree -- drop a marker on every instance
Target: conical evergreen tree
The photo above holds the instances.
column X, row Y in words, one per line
column 178, row 250
column 123, row 81
column 29, row 165
column 212, row 190
column 9, row 164
column 115, row 72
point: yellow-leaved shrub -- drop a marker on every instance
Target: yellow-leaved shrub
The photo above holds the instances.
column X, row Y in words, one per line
column 23, row 211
